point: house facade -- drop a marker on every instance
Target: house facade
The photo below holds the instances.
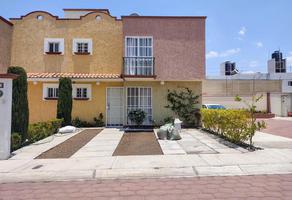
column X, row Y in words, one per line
column 116, row 65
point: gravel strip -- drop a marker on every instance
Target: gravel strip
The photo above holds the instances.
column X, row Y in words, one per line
column 138, row 143
column 67, row 148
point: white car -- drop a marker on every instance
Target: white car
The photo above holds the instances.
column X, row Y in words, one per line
column 213, row 106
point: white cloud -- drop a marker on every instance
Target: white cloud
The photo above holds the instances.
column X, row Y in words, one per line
column 259, row 44
column 226, row 53
column 212, row 54
column 242, row 31
column 253, row 63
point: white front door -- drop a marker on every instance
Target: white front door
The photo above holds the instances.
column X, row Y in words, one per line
column 114, row 106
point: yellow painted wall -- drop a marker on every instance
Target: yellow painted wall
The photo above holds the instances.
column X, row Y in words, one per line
column 159, row 93
column 28, row 44
column 42, row 110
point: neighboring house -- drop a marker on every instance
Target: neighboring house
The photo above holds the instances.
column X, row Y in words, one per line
column 116, row 65
column 276, row 86
column 5, row 44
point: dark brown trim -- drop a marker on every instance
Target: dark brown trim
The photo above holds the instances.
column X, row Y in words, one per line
column 6, row 21
column 80, row 99
column 82, row 53
column 86, row 9
column 57, row 18
column 137, row 76
column 51, row 98
column 53, row 53
column 10, row 76
column 190, row 17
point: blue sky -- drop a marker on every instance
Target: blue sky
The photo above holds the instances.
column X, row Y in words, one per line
column 244, row 31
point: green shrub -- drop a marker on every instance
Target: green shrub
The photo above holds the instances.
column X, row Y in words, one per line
column 77, row 122
column 99, row 121
column 185, row 104
column 15, row 141
column 137, row 116
column 168, row 120
column 231, row 124
column 64, row 107
column 20, row 113
column 41, row 130
column 254, row 125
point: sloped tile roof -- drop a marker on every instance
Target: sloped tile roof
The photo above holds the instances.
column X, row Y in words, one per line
column 73, row 75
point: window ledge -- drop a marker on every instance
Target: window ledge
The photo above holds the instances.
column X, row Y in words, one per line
column 51, row 98
column 53, row 53
column 82, row 53
column 81, row 99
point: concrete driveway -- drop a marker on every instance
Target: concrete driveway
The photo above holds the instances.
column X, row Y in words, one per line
column 197, row 154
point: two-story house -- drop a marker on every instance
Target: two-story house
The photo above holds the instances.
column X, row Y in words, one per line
column 116, row 65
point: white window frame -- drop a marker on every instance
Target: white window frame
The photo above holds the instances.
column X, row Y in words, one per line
column 45, row 89
column 54, row 40
column 138, row 37
column 82, row 40
column 87, row 86
column 140, row 87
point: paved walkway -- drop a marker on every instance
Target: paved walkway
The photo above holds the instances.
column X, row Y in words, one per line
column 266, row 187
column 209, row 156
column 278, row 126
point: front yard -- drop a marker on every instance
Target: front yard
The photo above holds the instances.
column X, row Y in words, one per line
column 196, row 154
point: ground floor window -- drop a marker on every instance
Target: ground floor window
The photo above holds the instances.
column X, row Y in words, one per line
column 140, row 98
column 50, row 91
column 81, row 93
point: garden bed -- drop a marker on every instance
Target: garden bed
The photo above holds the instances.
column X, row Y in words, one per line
column 67, row 148
column 139, row 143
column 264, row 115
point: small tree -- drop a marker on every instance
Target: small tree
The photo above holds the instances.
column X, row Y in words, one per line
column 20, row 111
column 64, row 107
column 137, row 116
column 251, row 107
column 184, row 105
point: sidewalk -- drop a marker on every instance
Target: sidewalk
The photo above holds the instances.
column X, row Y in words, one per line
column 88, row 164
column 267, row 187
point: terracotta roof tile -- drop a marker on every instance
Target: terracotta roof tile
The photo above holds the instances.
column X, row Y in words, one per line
column 73, row 75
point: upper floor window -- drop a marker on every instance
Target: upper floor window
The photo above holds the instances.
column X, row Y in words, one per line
column 82, row 46
column 54, row 46
column 139, row 46
column 289, row 83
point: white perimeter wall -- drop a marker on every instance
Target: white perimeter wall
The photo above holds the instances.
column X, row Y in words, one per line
column 229, row 103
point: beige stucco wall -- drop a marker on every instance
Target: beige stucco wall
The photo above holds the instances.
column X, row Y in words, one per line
column 240, row 87
column 43, row 110
column 106, row 34
column 224, row 91
column 5, row 45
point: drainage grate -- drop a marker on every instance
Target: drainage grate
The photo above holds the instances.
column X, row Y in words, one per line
column 37, row 167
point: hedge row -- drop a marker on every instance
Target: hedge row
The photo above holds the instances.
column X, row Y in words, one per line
column 36, row 132
column 231, row 124
column 41, row 130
